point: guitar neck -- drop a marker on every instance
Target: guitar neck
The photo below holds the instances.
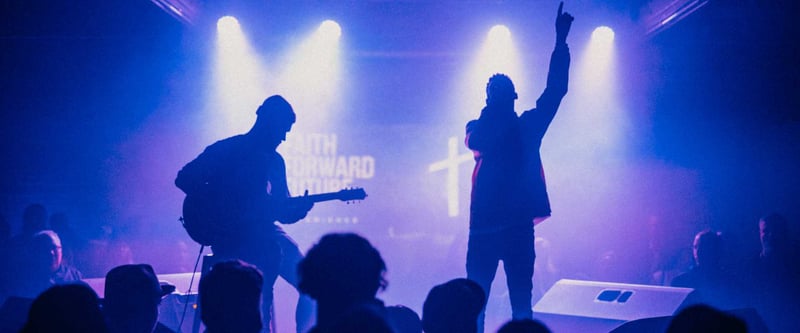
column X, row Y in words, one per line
column 343, row 195
column 319, row 197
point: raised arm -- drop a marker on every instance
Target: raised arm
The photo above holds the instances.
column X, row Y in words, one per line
column 558, row 74
column 563, row 24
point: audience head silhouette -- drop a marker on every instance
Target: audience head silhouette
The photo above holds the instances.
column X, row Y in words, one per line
column 343, row 273
column 230, row 297
column 774, row 234
column 453, row 307
column 707, row 248
column 66, row 308
column 703, row 318
column 403, row 319
column 342, row 267
column 132, row 296
column 360, row 318
column 524, row 326
column 46, row 249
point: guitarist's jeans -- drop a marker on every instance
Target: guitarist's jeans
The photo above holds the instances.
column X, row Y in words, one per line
column 514, row 246
column 275, row 254
column 264, row 252
column 291, row 256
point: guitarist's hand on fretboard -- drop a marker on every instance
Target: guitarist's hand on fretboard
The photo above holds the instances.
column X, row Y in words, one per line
column 295, row 209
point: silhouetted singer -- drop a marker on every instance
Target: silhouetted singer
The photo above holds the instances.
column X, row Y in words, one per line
column 508, row 186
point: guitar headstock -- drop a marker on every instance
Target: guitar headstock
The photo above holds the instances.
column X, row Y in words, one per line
column 351, row 194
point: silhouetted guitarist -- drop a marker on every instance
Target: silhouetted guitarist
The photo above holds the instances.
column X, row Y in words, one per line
column 241, row 182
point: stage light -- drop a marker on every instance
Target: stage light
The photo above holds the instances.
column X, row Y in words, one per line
column 228, row 25
column 238, row 81
column 500, row 32
column 330, row 29
column 312, row 75
column 603, row 34
column 599, row 55
column 498, row 43
column 598, row 58
column 497, row 54
column 595, row 87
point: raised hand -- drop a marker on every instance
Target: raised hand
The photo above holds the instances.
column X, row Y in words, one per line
column 563, row 23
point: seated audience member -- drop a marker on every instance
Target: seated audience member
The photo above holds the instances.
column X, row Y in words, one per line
column 40, row 266
column 453, row 307
column 68, row 308
column 776, row 259
column 132, row 297
column 713, row 284
column 47, row 244
column 230, row 298
column 403, row 319
column 73, row 244
column 524, row 326
column 774, row 275
column 705, row 319
column 343, row 273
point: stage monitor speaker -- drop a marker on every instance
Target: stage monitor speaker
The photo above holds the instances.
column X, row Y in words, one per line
column 591, row 306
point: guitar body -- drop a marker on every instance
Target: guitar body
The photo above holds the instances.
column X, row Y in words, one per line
column 208, row 220
column 205, row 219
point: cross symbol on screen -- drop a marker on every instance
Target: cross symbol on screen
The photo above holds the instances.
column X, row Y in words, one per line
column 451, row 164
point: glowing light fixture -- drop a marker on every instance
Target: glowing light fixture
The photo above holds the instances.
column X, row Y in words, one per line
column 238, row 81
column 311, row 76
column 500, row 32
column 603, row 34
column 227, row 25
column 497, row 54
column 330, row 28
column 595, row 87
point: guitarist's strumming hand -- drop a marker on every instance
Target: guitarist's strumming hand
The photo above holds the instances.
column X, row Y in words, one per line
column 295, row 209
